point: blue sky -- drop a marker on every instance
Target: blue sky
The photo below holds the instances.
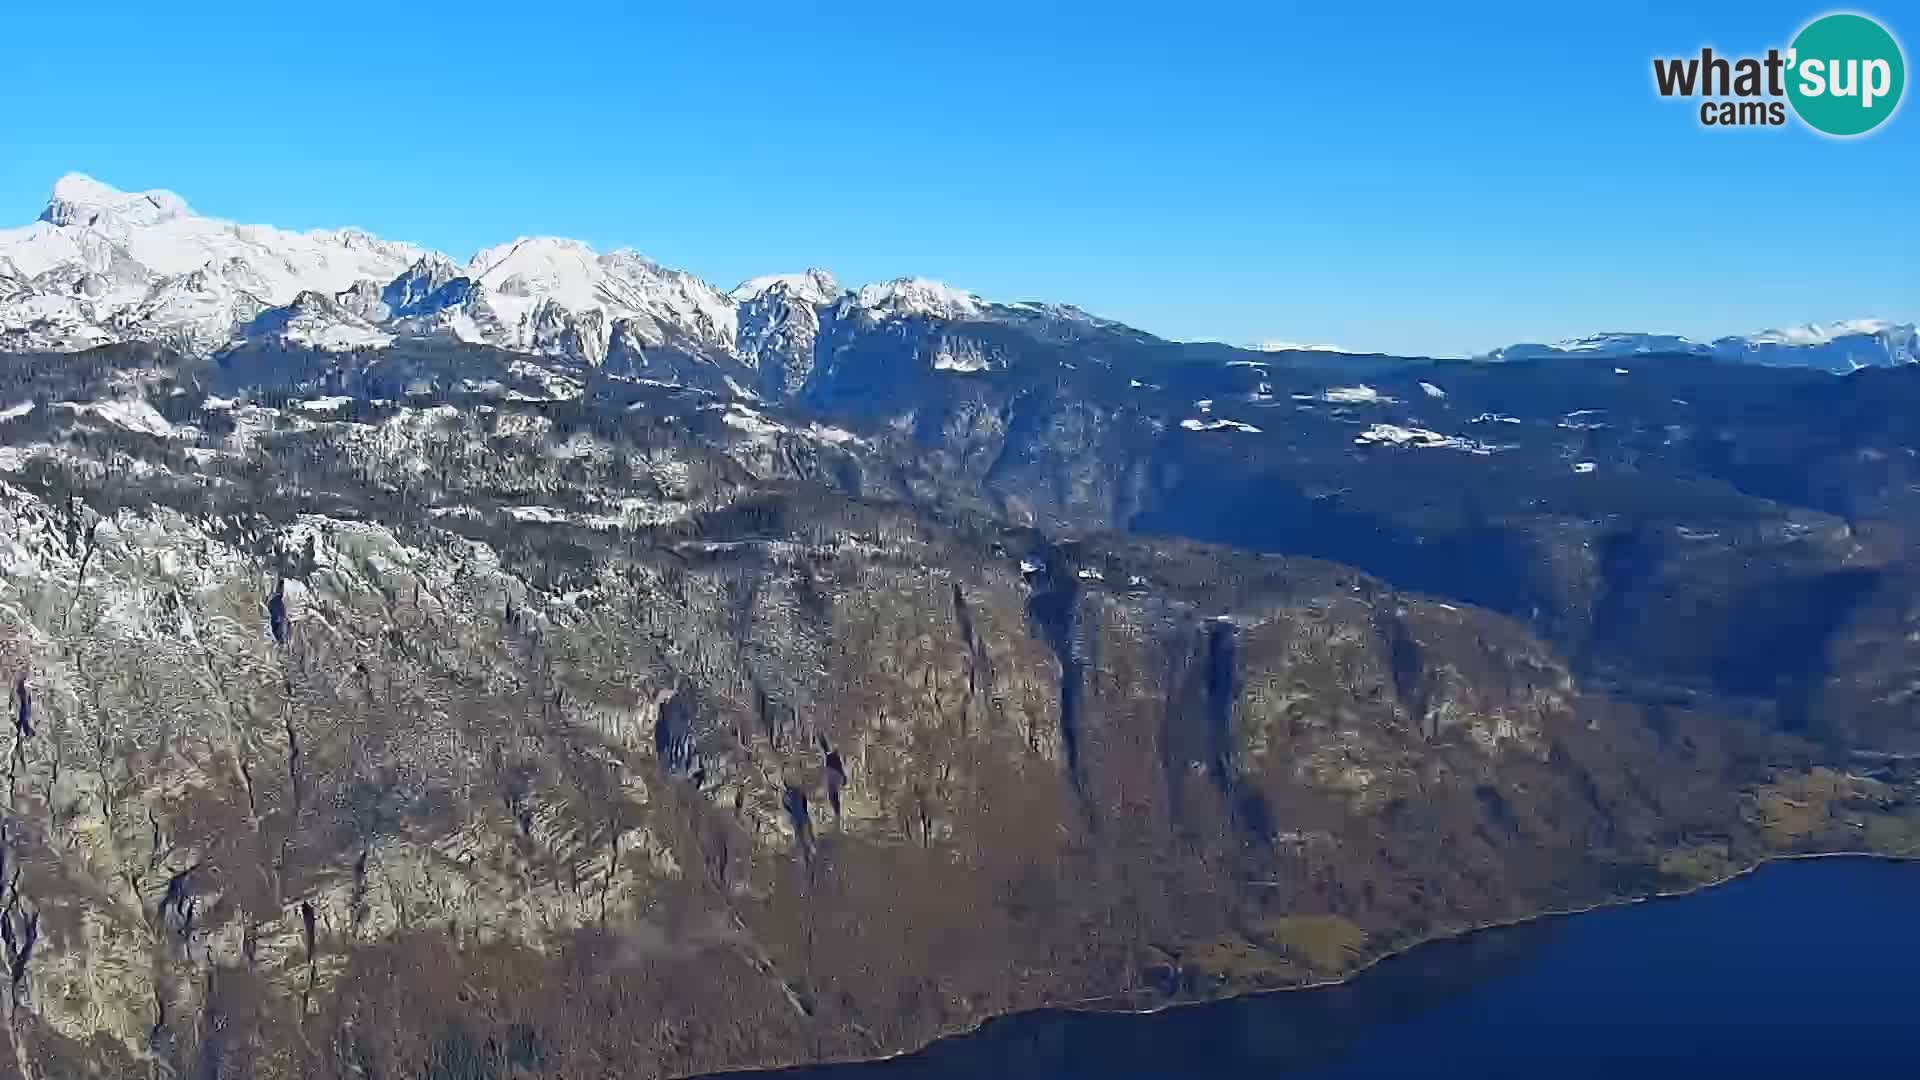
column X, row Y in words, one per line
column 1379, row 176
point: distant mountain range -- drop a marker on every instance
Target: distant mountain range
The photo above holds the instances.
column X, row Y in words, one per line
column 1839, row 347
column 102, row 265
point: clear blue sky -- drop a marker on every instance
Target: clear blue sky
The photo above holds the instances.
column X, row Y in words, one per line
column 1379, row 176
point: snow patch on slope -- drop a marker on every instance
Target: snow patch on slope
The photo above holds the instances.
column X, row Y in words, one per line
column 959, row 354
column 1195, row 424
column 1420, row 438
column 133, row 414
column 1356, row 395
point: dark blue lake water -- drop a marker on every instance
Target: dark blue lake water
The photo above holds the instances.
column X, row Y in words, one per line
column 1799, row 966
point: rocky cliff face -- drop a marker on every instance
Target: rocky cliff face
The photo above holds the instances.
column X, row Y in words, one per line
column 419, row 713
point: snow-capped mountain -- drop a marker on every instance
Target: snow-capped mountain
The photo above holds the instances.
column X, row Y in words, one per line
column 914, row 296
column 815, row 286
column 1838, row 346
column 1602, row 345
column 104, row 265
column 778, row 325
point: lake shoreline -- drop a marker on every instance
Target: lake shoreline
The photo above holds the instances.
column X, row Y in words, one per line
column 1092, row 1006
column 1455, row 935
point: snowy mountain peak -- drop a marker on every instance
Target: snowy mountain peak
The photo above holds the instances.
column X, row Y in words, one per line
column 1836, row 346
column 815, row 286
column 104, row 265
column 540, row 266
column 918, row 296
column 79, row 199
column 79, row 189
column 535, row 286
column 529, row 252
column 419, row 283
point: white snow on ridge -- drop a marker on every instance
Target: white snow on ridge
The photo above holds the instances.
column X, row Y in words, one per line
column 103, row 264
column 1432, row 391
column 14, row 412
column 917, row 296
column 538, row 290
column 326, row 404
column 90, row 222
column 1822, row 333
column 1628, row 343
column 815, row 286
column 1841, row 346
column 565, row 271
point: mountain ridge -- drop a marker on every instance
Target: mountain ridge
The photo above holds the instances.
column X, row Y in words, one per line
column 101, row 265
column 79, row 276
column 1840, row 347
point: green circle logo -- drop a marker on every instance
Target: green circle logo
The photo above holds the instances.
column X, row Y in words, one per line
column 1845, row 74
